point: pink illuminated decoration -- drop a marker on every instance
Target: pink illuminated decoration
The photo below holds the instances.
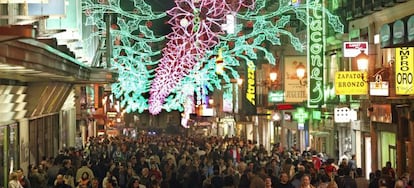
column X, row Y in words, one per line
column 196, row 26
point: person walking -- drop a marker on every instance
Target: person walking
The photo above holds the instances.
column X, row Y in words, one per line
column 305, row 182
column 14, row 181
column 360, row 180
column 255, row 180
column 24, row 181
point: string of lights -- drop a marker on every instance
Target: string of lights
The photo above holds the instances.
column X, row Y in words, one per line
column 200, row 29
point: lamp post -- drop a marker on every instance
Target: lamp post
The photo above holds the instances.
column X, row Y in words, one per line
column 362, row 63
column 276, row 117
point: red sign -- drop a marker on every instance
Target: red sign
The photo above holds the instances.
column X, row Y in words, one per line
column 352, row 49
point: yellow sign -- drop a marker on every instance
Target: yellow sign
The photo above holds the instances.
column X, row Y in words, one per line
column 251, row 88
column 351, row 83
column 404, row 70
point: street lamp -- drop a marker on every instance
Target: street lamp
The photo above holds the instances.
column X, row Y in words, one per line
column 300, row 73
column 362, row 61
column 273, row 76
column 239, row 81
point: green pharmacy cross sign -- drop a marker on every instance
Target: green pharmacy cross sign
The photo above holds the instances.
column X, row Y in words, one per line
column 300, row 115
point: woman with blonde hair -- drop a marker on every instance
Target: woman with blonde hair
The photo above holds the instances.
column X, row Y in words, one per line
column 14, row 181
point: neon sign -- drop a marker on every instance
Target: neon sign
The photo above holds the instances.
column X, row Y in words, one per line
column 316, row 52
column 300, row 115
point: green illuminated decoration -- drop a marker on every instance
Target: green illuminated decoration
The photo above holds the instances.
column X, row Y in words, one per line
column 300, row 115
column 316, row 55
column 139, row 54
column 316, row 115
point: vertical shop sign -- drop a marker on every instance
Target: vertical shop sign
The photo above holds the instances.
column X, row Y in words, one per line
column 316, row 50
column 249, row 90
column 404, row 70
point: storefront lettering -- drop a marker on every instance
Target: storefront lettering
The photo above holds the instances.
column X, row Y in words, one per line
column 295, row 94
column 316, row 58
column 251, row 88
column 404, row 76
column 349, row 76
column 351, row 84
column 404, row 70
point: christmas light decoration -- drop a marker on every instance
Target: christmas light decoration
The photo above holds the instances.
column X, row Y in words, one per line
column 187, row 61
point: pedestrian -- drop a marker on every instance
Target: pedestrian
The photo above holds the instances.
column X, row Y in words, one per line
column 24, row 181
column 360, row 180
column 346, row 181
column 268, row 182
column 255, row 180
column 60, row 182
column 284, row 181
column 14, row 181
column 305, row 182
column 36, row 179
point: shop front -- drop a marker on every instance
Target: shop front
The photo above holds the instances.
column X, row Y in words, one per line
column 9, row 150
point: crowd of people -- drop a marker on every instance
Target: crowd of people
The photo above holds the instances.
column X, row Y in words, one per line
column 171, row 161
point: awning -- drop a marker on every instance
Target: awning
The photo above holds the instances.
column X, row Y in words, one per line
column 28, row 59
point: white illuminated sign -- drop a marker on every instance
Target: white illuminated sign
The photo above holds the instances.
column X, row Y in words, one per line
column 344, row 115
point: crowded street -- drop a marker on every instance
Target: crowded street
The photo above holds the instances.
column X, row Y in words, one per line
column 206, row 93
column 174, row 161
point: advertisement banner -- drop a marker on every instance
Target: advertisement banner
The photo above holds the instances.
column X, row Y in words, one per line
column 404, row 70
column 249, row 89
column 294, row 91
column 351, row 83
column 316, row 55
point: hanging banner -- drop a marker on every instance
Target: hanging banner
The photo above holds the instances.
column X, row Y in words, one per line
column 249, row 90
column 316, row 57
column 294, row 91
column 404, row 70
column 228, row 98
column 351, row 83
column 379, row 87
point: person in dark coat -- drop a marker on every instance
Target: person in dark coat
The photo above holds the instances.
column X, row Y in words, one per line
column 36, row 179
column 347, row 181
column 244, row 180
column 284, row 181
column 217, row 181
